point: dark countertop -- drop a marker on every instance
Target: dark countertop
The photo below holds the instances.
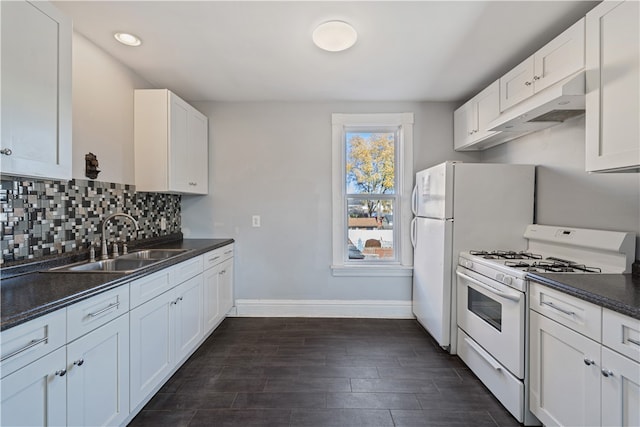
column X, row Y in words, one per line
column 618, row 292
column 27, row 296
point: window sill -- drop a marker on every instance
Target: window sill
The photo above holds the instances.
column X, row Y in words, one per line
column 372, row 270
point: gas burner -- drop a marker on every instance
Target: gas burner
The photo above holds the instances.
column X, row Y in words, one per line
column 505, row 255
column 517, row 264
column 556, row 265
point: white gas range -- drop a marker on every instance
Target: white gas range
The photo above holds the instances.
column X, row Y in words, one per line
column 492, row 311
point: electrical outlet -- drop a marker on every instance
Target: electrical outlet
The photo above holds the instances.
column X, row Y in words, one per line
column 163, row 223
column 255, row 221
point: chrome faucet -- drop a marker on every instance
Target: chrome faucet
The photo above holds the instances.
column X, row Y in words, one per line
column 105, row 254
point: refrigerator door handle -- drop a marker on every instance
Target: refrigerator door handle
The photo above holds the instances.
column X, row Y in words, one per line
column 414, row 200
column 414, row 230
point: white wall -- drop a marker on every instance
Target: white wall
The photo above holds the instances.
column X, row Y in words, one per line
column 566, row 194
column 103, row 112
column 274, row 160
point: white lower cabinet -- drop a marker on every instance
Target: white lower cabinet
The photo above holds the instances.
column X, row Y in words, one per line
column 218, row 286
column 211, row 281
column 620, row 390
column 98, row 376
column 36, row 395
column 565, row 375
column 578, row 380
column 82, row 383
column 226, row 287
column 96, row 362
column 188, row 317
column 164, row 331
column 152, row 350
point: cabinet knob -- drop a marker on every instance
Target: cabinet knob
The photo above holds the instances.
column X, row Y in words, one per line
column 588, row 361
column 607, row 373
column 193, row 183
column 6, row 151
column 61, row 372
column 528, row 83
column 79, row 362
column 536, row 78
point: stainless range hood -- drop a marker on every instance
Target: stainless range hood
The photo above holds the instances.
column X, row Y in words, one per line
column 549, row 107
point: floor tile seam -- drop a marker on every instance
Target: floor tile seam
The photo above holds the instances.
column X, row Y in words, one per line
column 493, row 419
column 192, row 417
column 234, row 400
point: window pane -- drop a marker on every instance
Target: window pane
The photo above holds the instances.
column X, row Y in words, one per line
column 370, row 162
column 370, row 229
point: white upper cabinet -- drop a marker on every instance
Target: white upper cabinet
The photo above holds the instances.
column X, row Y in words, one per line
column 613, row 87
column 171, row 144
column 471, row 121
column 558, row 59
column 36, row 90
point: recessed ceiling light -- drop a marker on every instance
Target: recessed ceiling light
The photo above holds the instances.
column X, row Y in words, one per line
column 334, row 36
column 128, row 39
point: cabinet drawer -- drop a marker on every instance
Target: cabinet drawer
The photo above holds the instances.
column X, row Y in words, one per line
column 25, row 343
column 185, row 270
column 579, row 315
column 145, row 288
column 216, row 256
column 87, row 315
column 621, row 333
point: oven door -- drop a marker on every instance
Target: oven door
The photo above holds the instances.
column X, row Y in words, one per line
column 493, row 315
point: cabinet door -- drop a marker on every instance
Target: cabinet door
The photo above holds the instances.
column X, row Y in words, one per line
column 560, row 58
column 517, row 84
column 613, row 84
column 464, row 125
column 35, row 395
column 152, row 346
column 98, row 378
column 179, row 172
column 36, row 90
column 620, row 390
column 226, row 287
column 198, row 153
column 565, row 375
column 487, row 109
column 211, row 283
column 188, row 316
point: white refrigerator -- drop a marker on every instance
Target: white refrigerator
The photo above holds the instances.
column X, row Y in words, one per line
column 457, row 207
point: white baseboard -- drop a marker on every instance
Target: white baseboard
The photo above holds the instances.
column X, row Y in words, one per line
column 324, row 308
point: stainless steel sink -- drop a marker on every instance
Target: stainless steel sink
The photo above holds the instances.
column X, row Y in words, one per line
column 154, row 254
column 118, row 265
column 123, row 264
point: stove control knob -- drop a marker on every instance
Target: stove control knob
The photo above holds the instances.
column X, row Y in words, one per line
column 507, row 280
column 469, row 264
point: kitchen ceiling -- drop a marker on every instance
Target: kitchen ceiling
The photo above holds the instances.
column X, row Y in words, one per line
column 262, row 50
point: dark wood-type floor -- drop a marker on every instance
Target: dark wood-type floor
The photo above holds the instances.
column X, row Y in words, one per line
column 322, row 372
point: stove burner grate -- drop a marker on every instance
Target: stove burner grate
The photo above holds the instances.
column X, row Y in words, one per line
column 505, row 255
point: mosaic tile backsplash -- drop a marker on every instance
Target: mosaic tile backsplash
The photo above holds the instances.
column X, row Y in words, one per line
column 47, row 217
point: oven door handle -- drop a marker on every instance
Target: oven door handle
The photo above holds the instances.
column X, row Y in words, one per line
column 482, row 353
column 489, row 288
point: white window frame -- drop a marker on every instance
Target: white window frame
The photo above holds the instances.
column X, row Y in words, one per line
column 402, row 266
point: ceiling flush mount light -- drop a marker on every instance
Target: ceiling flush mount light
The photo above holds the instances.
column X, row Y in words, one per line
column 334, row 36
column 128, row 39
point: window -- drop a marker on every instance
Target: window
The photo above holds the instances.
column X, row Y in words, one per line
column 372, row 175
